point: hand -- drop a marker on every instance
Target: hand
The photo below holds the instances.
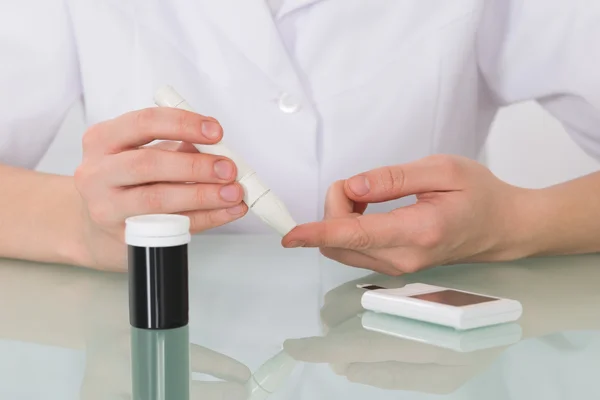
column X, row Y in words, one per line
column 463, row 213
column 121, row 177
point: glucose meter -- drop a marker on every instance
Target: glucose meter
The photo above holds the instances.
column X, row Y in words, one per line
column 457, row 309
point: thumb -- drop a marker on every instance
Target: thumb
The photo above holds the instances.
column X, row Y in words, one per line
column 438, row 173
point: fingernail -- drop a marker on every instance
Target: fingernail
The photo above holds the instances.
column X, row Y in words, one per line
column 296, row 243
column 359, row 185
column 224, row 169
column 236, row 210
column 211, row 130
column 230, row 193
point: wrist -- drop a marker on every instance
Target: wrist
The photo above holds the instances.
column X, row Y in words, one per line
column 533, row 216
column 545, row 224
column 523, row 226
column 69, row 245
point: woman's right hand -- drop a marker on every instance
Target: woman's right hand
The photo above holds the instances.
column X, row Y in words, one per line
column 122, row 176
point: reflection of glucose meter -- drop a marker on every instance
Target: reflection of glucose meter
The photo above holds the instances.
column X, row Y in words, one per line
column 442, row 336
column 438, row 305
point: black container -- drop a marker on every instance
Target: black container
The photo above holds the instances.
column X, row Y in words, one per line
column 158, row 287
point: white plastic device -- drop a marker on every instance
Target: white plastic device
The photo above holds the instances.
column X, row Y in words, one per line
column 257, row 196
column 458, row 309
column 442, row 336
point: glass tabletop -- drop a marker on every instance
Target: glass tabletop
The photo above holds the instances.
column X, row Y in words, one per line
column 267, row 322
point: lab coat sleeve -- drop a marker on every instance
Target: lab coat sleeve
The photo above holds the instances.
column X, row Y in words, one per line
column 547, row 51
column 39, row 78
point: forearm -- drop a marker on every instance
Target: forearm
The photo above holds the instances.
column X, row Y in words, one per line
column 40, row 218
column 565, row 218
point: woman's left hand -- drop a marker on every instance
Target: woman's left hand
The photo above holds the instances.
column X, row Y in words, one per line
column 463, row 214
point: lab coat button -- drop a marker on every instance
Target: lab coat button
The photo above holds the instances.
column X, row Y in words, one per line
column 287, row 104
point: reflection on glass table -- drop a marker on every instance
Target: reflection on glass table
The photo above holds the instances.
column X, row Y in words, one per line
column 65, row 332
column 442, row 336
column 62, row 308
column 399, row 354
column 161, row 370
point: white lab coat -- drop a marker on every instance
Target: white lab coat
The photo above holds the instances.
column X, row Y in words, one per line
column 326, row 89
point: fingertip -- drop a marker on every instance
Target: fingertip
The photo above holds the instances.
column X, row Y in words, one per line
column 237, row 211
column 225, row 170
column 212, row 131
column 357, row 187
column 294, row 238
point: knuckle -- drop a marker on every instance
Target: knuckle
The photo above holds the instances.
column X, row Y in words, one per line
column 410, row 263
column 391, row 179
column 196, row 165
column 201, row 221
column 197, row 223
column 145, row 118
column 142, row 163
column 359, row 238
column 450, row 165
column 395, row 271
column 151, row 198
column 84, row 177
column 213, row 219
column 81, row 177
column 336, row 186
column 91, row 137
column 187, row 122
column 429, row 238
column 200, row 195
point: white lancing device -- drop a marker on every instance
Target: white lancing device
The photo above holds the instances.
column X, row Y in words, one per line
column 257, row 196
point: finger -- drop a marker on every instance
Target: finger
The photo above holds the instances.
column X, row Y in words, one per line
column 167, row 198
column 430, row 174
column 141, row 127
column 141, row 166
column 337, row 204
column 356, row 259
column 355, row 233
column 203, row 220
column 217, row 390
column 427, row 378
column 210, row 362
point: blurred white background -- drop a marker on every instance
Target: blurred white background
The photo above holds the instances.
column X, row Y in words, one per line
column 527, row 147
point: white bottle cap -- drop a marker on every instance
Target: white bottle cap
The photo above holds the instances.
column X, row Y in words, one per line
column 157, row 230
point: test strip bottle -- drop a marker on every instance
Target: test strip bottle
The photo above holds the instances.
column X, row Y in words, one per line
column 157, row 256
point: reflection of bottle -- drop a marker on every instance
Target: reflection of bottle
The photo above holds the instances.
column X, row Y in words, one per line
column 442, row 336
column 270, row 376
column 159, row 305
column 160, row 364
